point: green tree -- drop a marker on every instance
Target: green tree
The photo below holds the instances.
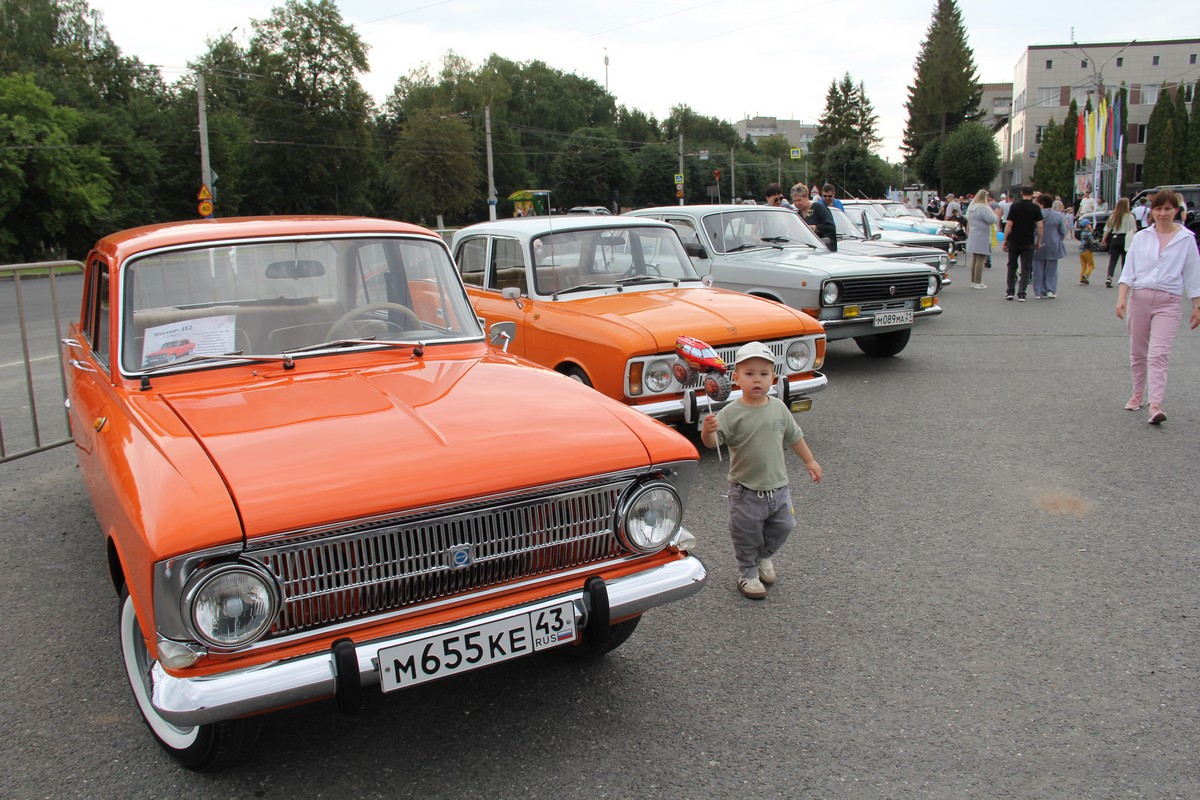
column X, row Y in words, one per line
column 1160, row 163
column 654, row 168
column 315, row 151
column 969, row 159
column 945, row 93
column 928, row 164
column 855, row 171
column 592, row 169
column 1180, row 121
column 848, row 117
column 433, row 168
column 51, row 187
column 1054, row 171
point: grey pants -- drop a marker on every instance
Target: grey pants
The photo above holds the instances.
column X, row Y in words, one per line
column 759, row 524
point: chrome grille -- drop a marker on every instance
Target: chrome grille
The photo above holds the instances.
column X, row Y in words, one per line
column 728, row 353
column 880, row 289
column 353, row 573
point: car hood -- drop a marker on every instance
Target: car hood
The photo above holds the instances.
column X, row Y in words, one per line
column 881, row 249
column 298, row 450
column 715, row 316
column 828, row 264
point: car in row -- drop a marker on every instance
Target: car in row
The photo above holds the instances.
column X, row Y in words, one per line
column 769, row 252
column 603, row 300
column 339, row 484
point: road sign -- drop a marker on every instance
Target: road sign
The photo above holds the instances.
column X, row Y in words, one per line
column 678, row 178
column 205, row 208
column 205, row 194
column 797, row 154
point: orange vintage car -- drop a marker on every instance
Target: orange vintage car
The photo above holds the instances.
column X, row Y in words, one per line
column 343, row 485
column 604, row 299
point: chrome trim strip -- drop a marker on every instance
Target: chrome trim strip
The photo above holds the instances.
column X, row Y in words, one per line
column 932, row 311
column 199, row 701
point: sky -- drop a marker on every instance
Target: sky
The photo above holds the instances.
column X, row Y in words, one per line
column 729, row 59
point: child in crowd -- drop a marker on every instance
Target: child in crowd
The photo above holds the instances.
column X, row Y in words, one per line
column 755, row 428
column 1087, row 246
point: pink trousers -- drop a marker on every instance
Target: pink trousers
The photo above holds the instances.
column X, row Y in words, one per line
column 1153, row 317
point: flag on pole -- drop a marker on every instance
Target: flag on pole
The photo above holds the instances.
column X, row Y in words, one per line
column 1080, row 138
column 1090, row 146
column 1101, row 125
column 1116, row 126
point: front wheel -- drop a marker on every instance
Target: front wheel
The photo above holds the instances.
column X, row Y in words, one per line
column 210, row 747
column 884, row 345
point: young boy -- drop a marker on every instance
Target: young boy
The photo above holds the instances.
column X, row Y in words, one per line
column 755, row 428
column 1087, row 246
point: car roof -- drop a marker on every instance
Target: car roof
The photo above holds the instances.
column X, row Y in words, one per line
column 199, row 231
column 704, row 209
column 532, row 227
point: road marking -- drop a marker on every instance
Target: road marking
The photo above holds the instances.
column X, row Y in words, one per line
column 22, row 363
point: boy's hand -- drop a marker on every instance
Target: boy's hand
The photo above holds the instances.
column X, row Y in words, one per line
column 814, row 471
column 708, row 430
column 710, row 424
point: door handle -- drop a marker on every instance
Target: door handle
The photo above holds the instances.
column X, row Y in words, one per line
column 81, row 365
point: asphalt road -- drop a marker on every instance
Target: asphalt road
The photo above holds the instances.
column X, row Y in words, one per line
column 992, row 594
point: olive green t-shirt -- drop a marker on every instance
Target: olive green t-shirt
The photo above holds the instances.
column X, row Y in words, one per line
column 756, row 436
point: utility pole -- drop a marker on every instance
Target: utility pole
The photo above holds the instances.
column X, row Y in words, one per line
column 487, row 130
column 681, row 161
column 205, row 166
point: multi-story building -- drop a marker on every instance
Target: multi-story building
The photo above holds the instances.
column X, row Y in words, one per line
column 798, row 134
column 1048, row 77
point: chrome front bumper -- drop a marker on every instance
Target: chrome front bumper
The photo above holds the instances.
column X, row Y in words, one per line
column 692, row 406
column 843, row 328
column 197, row 701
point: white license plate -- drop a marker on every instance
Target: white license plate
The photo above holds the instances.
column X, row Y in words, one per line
column 437, row 656
column 883, row 318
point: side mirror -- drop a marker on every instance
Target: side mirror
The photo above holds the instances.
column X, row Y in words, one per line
column 695, row 250
column 501, row 333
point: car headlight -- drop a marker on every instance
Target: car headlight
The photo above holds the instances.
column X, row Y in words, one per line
column 798, row 354
column 231, row 605
column 651, row 516
column 931, row 289
column 657, row 376
column 943, row 263
column 829, row 294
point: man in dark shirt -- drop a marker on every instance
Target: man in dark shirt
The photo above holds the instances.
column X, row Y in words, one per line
column 816, row 215
column 1022, row 235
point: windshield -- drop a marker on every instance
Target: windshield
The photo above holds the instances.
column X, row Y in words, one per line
column 594, row 257
column 845, row 228
column 761, row 226
column 870, row 209
column 896, row 210
column 269, row 297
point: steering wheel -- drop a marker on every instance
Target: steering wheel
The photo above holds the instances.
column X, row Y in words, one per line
column 645, row 269
column 362, row 311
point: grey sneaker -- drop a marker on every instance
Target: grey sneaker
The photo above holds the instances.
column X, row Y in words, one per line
column 752, row 588
column 766, row 571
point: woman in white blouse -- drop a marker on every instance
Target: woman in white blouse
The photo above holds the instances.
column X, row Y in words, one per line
column 1161, row 264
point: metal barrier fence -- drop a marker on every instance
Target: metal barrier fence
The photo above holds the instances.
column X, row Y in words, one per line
column 33, row 388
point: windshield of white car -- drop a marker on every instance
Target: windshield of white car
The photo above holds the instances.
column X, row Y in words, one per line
column 294, row 295
column 760, row 226
column 846, row 229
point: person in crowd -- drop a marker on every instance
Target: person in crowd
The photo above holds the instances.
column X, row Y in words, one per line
column 933, row 206
column 1087, row 251
column 774, row 196
column 1141, row 213
column 829, row 197
column 1069, row 213
column 815, row 215
column 1119, row 225
column 1052, row 248
column 953, row 210
column 1087, row 205
column 980, row 223
column 1181, row 214
column 1022, row 235
column 1162, row 264
column 756, row 428
column 1005, row 203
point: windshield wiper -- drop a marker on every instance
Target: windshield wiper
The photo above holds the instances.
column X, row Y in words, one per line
column 645, row 279
column 741, row 247
column 233, row 355
column 334, row 343
column 583, row 287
